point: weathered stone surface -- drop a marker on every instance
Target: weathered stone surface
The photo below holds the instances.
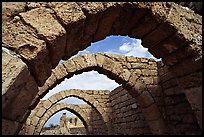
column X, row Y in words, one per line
column 100, row 59
column 68, row 12
column 60, row 71
column 194, row 96
column 145, row 99
column 80, row 62
column 11, row 8
column 105, row 24
column 70, row 66
column 151, row 112
column 49, row 30
column 19, row 84
column 159, row 126
column 40, row 112
column 154, row 18
column 22, row 39
column 125, row 74
column 10, row 127
column 90, row 59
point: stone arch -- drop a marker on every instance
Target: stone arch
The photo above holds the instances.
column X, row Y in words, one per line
column 120, row 69
column 86, row 95
column 41, row 44
column 61, row 106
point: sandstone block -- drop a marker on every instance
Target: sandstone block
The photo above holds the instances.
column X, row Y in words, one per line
column 151, row 112
column 49, row 30
column 52, row 99
column 125, row 75
column 107, row 64
column 10, row 127
column 139, row 66
column 11, row 8
column 51, row 80
column 58, row 96
column 27, row 91
column 100, row 59
column 194, row 96
column 35, row 120
column 29, row 47
column 42, row 90
column 70, row 66
column 90, row 59
column 31, row 130
column 63, row 94
column 68, row 12
column 40, row 112
column 80, row 62
column 60, row 72
column 145, row 99
column 105, row 24
column 158, row 126
column 47, row 104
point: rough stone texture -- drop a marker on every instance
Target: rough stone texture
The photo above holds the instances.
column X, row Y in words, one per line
column 175, row 106
column 22, row 39
column 16, row 90
column 89, row 96
column 126, row 119
column 167, row 30
column 48, row 29
column 8, row 125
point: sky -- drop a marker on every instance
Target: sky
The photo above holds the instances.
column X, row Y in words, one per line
column 93, row 80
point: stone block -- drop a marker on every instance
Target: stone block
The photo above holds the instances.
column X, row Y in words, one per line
column 100, row 59
column 58, row 96
column 194, row 96
column 40, row 112
column 107, row 64
column 157, row 126
column 139, row 66
column 105, row 24
column 10, row 127
column 191, row 80
column 31, row 130
column 146, row 25
column 48, row 29
column 153, row 38
column 151, row 112
column 34, row 121
column 42, row 91
column 70, row 66
column 52, row 99
column 125, row 75
column 68, row 12
column 51, row 80
column 62, row 94
column 145, row 99
column 60, row 72
column 23, row 40
column 80, row 62
column 90, row 59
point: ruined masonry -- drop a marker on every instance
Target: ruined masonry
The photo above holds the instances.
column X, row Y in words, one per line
column 155, row 97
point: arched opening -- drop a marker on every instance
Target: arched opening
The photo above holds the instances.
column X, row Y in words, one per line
column 59, row 125
column 179, row 47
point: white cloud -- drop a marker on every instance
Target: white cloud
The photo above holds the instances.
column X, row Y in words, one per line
column 126, row 47
column 86, row 81
column 133, row 47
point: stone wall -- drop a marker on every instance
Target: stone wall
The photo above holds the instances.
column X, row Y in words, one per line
column 126, row 115
column 41, row 34
column 96, row 118
column 174, row 105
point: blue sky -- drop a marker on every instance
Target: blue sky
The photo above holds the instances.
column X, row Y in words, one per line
column 93, row 80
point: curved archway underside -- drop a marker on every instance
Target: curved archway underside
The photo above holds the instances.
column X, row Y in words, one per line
column 43, row 33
